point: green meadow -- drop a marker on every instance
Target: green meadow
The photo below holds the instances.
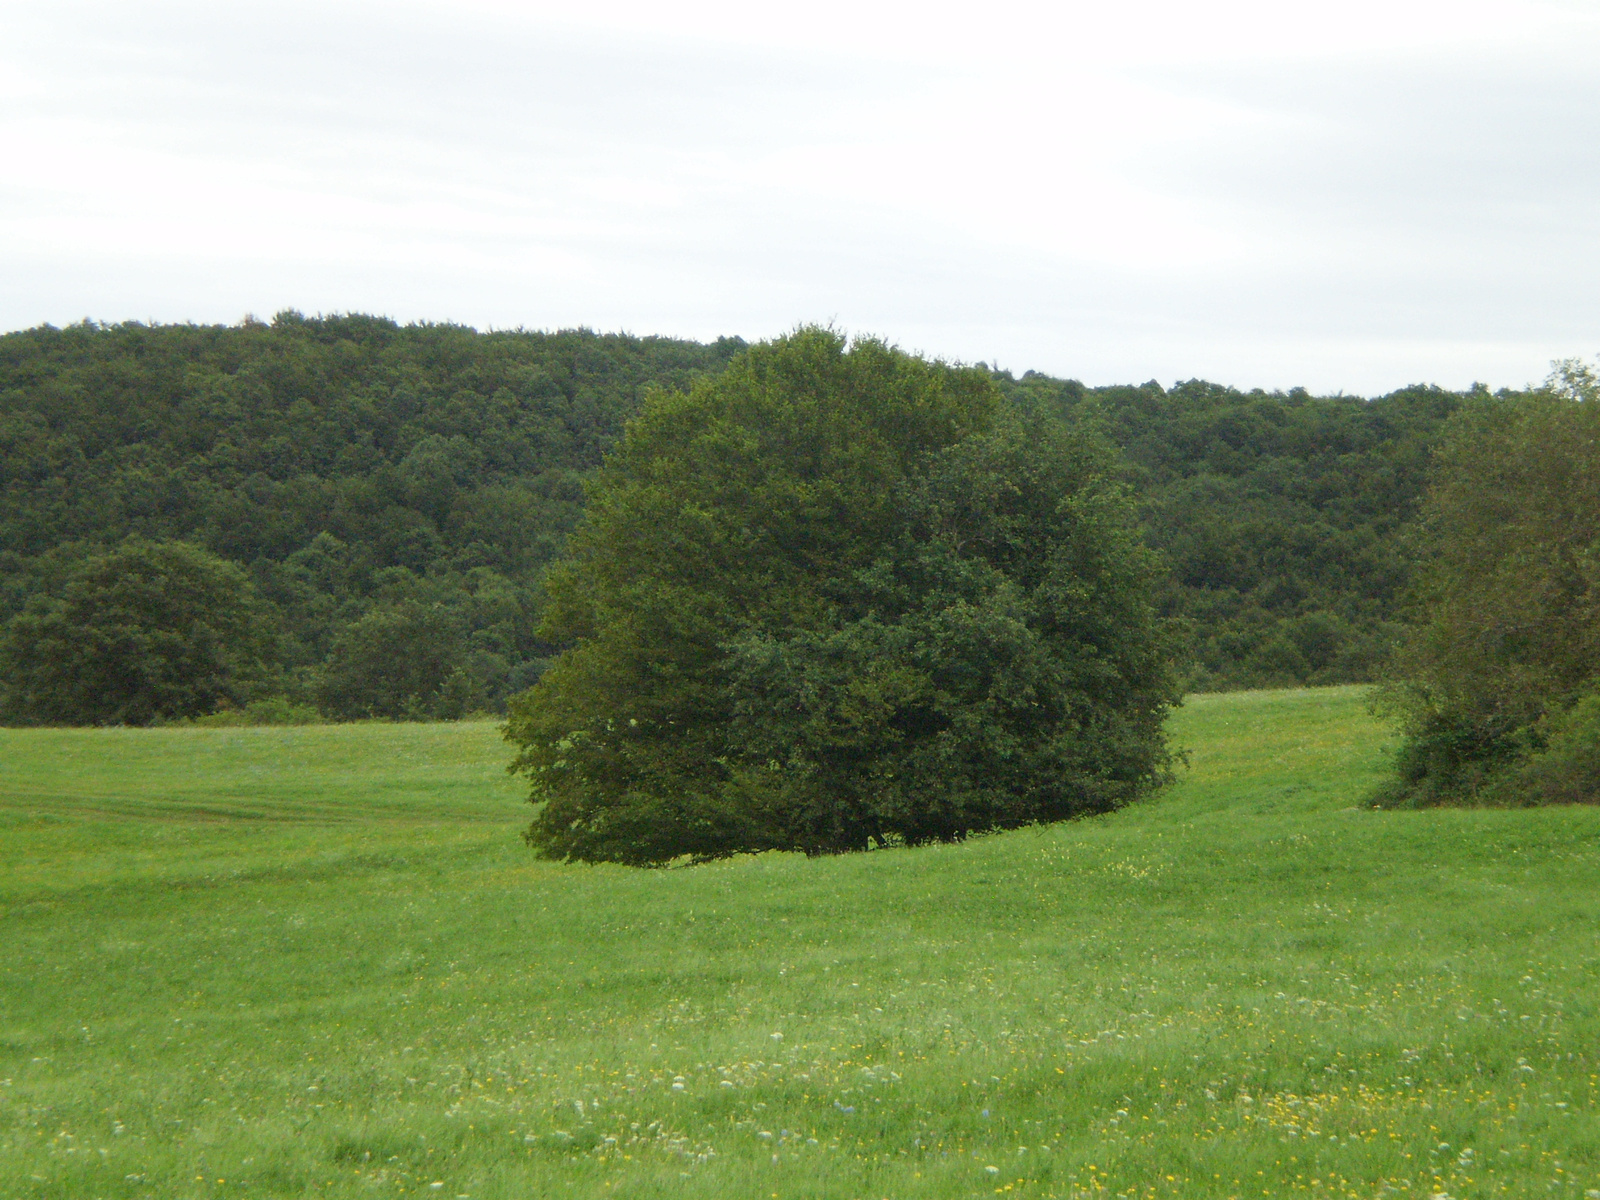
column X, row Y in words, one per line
column 320, row 962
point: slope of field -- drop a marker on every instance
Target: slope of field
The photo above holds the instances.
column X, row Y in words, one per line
column 318, row 961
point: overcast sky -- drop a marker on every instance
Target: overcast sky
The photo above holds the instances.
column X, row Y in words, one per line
column 1346, row 196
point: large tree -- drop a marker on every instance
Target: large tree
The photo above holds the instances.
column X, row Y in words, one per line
column 1506, row 639
column 147, row 631
column 840, row 595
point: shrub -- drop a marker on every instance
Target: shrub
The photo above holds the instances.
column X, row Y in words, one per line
column 272, row 710
column 1567, row 770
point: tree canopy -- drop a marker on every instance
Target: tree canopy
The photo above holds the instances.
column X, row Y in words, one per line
column 151, row 630
column 838, row 595
column 1280, row 515
column 356, row 470
column 362, row 473
column 1503, row 656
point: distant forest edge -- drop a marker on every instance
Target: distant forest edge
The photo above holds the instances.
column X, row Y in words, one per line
column 395, row 492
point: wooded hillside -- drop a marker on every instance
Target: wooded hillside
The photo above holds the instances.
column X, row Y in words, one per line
column 1280, row 515
column 394, row 492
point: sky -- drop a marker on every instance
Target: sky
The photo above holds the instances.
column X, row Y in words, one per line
column 1348, row 196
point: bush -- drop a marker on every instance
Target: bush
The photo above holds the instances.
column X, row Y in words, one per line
column 273, row 710
column 840, row 596
column 1452, row 761
column 149, row 631
column 1567, row 770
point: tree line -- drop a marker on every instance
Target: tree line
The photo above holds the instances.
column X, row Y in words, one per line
column 1280, row 516
column 381, row 500
column 389, row 498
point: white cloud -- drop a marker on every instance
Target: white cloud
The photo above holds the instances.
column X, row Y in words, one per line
column 1342, row 195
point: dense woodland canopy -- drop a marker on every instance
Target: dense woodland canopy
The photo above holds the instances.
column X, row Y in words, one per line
column 395, row 493
column 392, row 492
column 1280, row 516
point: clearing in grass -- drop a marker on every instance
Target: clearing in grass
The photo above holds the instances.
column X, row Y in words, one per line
column 320, row 961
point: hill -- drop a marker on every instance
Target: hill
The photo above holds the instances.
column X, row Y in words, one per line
column 355, row 467
column 367, row 473
column 319, row 962
column 1280, row 513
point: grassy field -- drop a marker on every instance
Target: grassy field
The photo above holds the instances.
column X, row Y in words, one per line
column 319, row 962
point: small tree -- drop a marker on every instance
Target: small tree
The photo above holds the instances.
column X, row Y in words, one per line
column 147, row 631
column 1507, row 635
column 399, row 660
column 840, row 595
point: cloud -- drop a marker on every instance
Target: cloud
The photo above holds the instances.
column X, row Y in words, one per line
column 1346, row 196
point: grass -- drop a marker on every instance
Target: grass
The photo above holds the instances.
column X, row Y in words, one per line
column 318, row 961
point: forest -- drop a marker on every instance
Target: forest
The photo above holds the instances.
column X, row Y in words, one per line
column 1281, row 516
column 394, row 494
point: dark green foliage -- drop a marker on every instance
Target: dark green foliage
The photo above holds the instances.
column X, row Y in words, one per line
column 1567, row 769
column 149, row 631
column 269, row 710
column 399, row 660
column 1279, row 513
column 841, row 595
column 1507, row 633
column 348, row 464
column 999, row 664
